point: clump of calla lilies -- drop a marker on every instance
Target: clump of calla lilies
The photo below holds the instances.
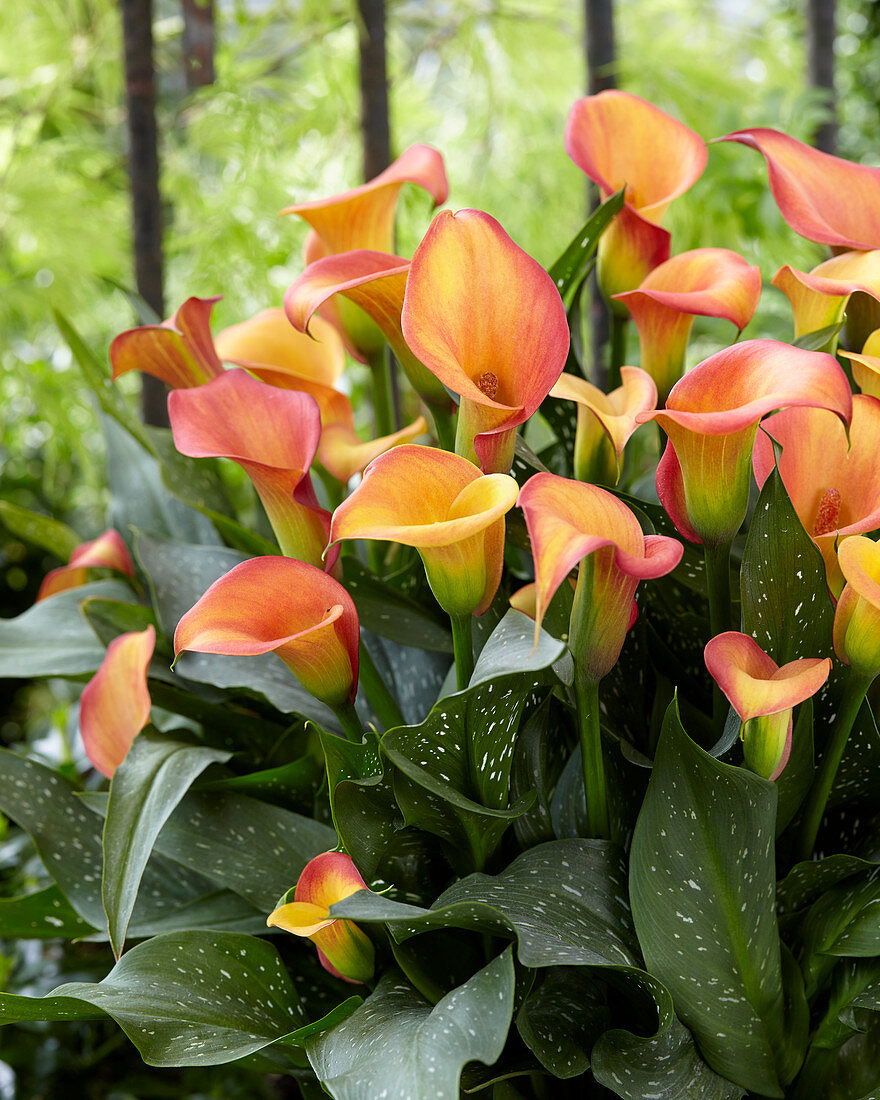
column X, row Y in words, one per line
column 574, row 713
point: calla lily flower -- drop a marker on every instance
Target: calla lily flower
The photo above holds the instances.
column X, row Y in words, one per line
column 375, row 282
column 282, row 606
column 440, row 504
column 857, row 617
column 343, row 949
column 343, row 453
column 834, row 483
column 487, row 319
column 821, row 298
column 115, row 703
column 270, row 348
column 180, row 351
column 107, row 551
column 364, row 216
column 706, row 282
column 273, row 435
column 711, row 418
column 823, row 198
column 763, row 695
column 605, row 422
column 571, row 523
column 619, row 139
column 866, row 366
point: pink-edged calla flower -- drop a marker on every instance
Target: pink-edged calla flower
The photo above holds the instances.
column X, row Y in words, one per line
column 821, row 297
column 273, row 435
column 364, row 216
column 706, row 282
column 571, row 523
column 343, row 949
column 180, row 351
column 487, row 319
column 763, row 695
column 439, row 503
column 374, row 282
column 107, row 551
column 857, row 617
column 605, row 422
column 115, row 703
column 269, row 347
column 711, row 418
column 282, row 606
column 823, row 198
column 834, row 483
column 619, row 139
column 866, row 366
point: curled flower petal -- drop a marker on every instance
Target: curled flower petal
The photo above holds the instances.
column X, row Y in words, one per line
column 115, row 703
column 605, row 421
column 866, row 366
column 439, row 503
column 487, row 319
column 833, row 481
column 107, row 551
column 819, row 299
column 283, row 606
column 180, row 351
column 364, row 216
column 823, row 198
column 273, row 435
column 706, row 282
column 857, row 616
column 344, row 454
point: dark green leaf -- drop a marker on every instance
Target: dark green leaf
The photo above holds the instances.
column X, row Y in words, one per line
column 39, row 530
column 572, row 267
column 820, row 340
column 398, row 1043
column 538, row 760
column 145, row 788
column 783, row 582
column 561, row 1019
column 45, row 914
column 844, row 921
column 565, row 902
column 702, row 882
column 511, row 650
column 385, row 611
column 110, row 618
column 805, row 882
column 52, row 638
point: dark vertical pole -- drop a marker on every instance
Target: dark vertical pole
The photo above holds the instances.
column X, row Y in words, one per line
column 143, row 166
column 820, row 66
column 374, row 87
column 198, row 43
column 599, row 46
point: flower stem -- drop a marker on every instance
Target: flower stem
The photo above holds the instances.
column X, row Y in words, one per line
column 717, row 560
column 381, row 699
column 618, row 350
column 853, row 696
column 587, row 701
column 352, row 727
column 462, row 645
column 444, row 426
column 382, row 405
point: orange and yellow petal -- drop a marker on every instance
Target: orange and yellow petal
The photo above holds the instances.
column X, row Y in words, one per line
column 179, row 352
column 107, row 551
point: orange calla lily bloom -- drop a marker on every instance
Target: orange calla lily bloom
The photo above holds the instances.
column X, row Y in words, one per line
column 107, row 551
column 605, row 422
column 833, row 482
column 711, row 418
column 820, row 298
column 857, row 617
column 180, row 351
column 571, row 523
column 619, row 139
column 364, row 216
column 375, row 282
column 273, row 435
column 343, row 949
column 115, row 703
column 866, row 366
column 282, row 606
column 823, row 198
column 706, row 282
column 343, row 453
column 440, row 504
column 763, row 695
column 487, row 319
